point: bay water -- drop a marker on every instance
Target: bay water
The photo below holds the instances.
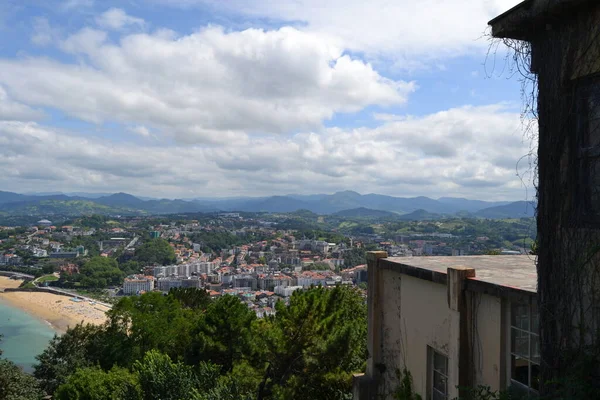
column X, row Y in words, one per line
column 23, row 336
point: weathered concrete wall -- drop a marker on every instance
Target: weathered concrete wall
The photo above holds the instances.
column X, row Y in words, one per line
column 428, row 321
column 488, row 335
column 392, row 330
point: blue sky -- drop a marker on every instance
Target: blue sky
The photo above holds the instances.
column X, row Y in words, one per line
column 186, row 98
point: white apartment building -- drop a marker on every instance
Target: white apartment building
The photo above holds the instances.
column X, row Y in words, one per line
column 138, row 284
column 286, row 291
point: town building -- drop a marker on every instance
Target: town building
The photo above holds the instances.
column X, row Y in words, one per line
column 166, row 284
column 452, row 322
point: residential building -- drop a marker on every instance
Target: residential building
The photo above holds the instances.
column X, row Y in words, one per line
column 166, row 284
column 138, row 284
column 242, row 281
column 286, row 291
column 451, row 322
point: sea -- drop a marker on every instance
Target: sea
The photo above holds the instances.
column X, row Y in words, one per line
column 23, row 336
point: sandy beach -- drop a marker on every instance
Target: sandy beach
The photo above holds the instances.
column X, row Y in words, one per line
column 59, row 311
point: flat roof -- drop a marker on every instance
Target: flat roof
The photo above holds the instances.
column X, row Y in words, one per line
column 493, row 274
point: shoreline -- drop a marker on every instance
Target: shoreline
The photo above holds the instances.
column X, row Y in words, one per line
column 57, row 311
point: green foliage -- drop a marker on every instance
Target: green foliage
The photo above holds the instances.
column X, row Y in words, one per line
column 482, row 392
column 97, row 272
column 196, row 299
column 312, row 346
column 63, row 356
column 155, row 251
column 162, row 379
column 153, row 322
column 215, row 241
column 16, row 384
column 405, row 389
column 93, row 221
column 130, row 267
column 95, row 384
column 182, row 345
column 354, row 257
column 318, row 266
column 224, row 332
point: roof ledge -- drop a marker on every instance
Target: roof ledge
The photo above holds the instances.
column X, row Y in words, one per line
column 521, row 21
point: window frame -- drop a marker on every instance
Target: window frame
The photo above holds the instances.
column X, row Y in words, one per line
column 585, row 153
column 531, row 331
column 431, row 371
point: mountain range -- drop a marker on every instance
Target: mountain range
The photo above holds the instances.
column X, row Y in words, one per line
column 346, row 203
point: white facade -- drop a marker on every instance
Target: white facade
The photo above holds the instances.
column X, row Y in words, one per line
column 286, row 291
column 137, row 285
column 166, row 284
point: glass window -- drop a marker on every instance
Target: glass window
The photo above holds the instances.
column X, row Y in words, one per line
column 525, row 345
column 588, row 113
column 438, row 373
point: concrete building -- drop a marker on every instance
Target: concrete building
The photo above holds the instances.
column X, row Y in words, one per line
column 138, row 284
column 286, row 291
column 242, row 281
column 451, row 322
column 559, row 42
column 166, row 284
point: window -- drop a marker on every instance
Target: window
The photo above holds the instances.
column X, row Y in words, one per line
column 437, row 375
column 588, row 112
column 525, row 346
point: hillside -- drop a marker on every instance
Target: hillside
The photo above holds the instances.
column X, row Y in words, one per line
column 420, row 215
column 363, row 212
column 343, row 204
column 518, row 209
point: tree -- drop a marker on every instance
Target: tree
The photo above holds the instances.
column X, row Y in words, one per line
column 155, row 251
column 224, row 333
column 354, row 257
column 97, row 272
column 153, row 322
column 64, row 355
column 313, row 346
column 196, row 299
column 16, row 384
column 162, row 379
column 95, row 384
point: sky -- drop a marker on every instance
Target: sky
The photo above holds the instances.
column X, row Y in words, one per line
column 211, row 98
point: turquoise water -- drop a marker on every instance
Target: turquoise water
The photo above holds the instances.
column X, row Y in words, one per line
column 24, row 336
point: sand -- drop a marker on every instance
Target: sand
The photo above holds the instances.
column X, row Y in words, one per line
column 6, row 282
column 59, row 311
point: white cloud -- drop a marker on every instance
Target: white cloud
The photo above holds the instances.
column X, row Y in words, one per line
column 68, row 5
column 403, row 30
column 43, row 33
column 117, row 19
column 12, row 110
column 467, row 151
column 140, row 130
column 210, row 86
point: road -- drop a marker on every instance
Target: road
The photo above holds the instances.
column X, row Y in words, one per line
column 20, row 275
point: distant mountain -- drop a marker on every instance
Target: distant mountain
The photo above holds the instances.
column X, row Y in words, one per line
column 518, row 209
column 346, row 203
column 363, row 212
column 121, row 200
column 276, row 204
column 10, row 197
column 463, row 204
column 420, row 215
